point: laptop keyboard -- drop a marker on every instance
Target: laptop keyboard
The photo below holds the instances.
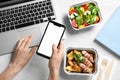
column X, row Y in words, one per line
column 26, row 15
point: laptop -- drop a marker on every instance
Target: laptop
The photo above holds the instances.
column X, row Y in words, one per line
column 20, row 18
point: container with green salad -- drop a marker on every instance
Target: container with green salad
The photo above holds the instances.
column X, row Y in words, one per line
column 84, row 15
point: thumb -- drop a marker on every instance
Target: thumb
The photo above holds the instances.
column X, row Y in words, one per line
column 54, row 49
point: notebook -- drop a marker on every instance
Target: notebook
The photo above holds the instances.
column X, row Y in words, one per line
column 109, row 36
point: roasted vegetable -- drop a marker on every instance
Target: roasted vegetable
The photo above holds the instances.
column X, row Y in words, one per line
column 69, row 55
column 69, row 69
column 77, row 68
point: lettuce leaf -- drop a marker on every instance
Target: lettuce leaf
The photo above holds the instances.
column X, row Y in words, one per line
column 79, row 58
column 79, row 20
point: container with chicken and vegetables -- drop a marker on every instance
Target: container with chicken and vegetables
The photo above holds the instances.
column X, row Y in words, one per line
column 84, row 15
column 80, row 61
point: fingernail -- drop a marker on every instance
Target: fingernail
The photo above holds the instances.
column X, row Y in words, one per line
column 54, row 44
column 30, row 36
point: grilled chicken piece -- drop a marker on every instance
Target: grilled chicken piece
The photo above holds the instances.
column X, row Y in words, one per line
column 85, row 68
column 88, row 56
column 87, row 63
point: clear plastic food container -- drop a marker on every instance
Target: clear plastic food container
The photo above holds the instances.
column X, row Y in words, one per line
column 67, row 66
column 84, row 15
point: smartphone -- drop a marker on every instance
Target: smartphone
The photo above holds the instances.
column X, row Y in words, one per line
column 52, row 35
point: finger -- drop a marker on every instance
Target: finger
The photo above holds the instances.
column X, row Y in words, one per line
column 24, row 42
column 28, row 42
column 61, row 48
column 19, row 43
column 54, row 49
column 32, row 51
column 15, row 49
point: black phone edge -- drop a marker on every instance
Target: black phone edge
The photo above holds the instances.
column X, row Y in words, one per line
column 40, row 54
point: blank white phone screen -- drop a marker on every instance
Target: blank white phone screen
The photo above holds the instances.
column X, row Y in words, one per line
column 51, row 36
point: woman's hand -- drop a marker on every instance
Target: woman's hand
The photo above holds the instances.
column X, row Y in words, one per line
column 20, row 58
column 22, row 54
column 55, row 61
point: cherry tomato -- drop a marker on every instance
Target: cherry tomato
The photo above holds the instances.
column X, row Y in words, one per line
column 98, row 20
column 85, row 7
column 85, row 24
column 72, row 10
column 74, row 24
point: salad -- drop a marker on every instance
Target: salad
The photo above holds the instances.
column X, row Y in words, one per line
column 84, row 15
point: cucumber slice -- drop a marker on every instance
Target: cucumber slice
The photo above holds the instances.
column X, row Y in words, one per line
column 75, row 14
column 94, row 18
column 72, row 16
column 87, row 13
